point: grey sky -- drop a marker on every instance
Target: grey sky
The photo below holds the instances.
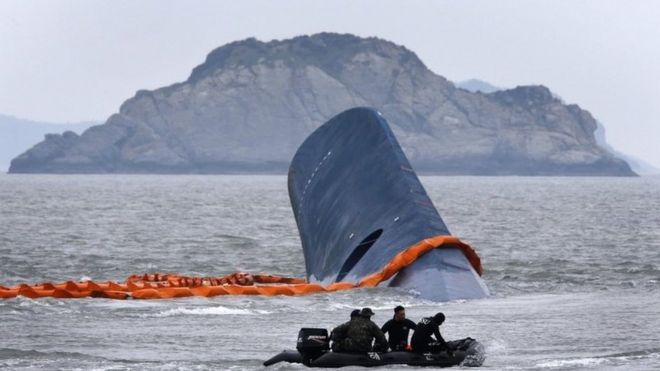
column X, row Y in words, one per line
column 79, row 60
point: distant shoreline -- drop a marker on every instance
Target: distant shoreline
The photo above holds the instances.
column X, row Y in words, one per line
column 421, row 174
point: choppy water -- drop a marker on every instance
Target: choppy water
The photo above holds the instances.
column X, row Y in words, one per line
column 573, row 265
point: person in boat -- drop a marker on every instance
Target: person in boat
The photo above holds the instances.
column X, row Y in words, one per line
column 361, row 332
column 422, row 342
column 338, row 334
column 398, row 329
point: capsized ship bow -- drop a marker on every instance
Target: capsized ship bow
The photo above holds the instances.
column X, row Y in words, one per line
column 358, row 202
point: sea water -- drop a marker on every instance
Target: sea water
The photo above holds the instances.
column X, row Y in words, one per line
column 573, row 266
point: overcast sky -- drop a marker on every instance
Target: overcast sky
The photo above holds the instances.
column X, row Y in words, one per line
column 79, row 60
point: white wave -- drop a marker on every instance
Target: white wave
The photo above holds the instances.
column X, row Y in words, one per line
column 333, row 306
column 212, row 311
column 496, row 346
column 599, row 361
column 583, row 362
column 378, row 304
column 125, row 304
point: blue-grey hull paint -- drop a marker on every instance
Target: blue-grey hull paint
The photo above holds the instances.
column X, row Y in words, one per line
column 358, row 202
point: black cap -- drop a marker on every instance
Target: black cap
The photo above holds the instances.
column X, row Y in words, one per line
column 355, row 313
column 366, row 312
column 439, row 317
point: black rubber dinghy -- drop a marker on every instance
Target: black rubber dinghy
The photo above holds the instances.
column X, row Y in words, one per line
column 467, row 352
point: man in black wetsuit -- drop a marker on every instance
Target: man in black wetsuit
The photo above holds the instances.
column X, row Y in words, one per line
column 338, row 334
column 422, row 342
column 398, row 329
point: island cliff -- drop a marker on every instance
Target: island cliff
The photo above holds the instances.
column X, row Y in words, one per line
column 251, row 104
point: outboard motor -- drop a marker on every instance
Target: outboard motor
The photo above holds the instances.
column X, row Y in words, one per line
column 312, row 343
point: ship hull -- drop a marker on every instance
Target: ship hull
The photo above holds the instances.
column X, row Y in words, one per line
column 358, row 202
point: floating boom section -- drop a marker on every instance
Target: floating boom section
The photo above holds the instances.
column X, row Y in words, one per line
column 358, row 203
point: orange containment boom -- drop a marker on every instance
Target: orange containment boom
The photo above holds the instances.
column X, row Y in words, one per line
column 165, row 286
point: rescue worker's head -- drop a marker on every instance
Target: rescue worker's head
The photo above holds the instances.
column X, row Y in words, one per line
column 399, row 313
column 366, row 312
column 439, row 318
column 355, row 313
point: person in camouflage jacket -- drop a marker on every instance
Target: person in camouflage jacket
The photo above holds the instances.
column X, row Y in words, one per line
column 361, row 332
column 339, row 333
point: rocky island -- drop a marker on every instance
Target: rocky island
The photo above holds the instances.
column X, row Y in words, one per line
column 251, row 103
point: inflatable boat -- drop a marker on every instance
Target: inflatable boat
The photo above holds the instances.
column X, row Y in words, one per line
column 313, row 351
